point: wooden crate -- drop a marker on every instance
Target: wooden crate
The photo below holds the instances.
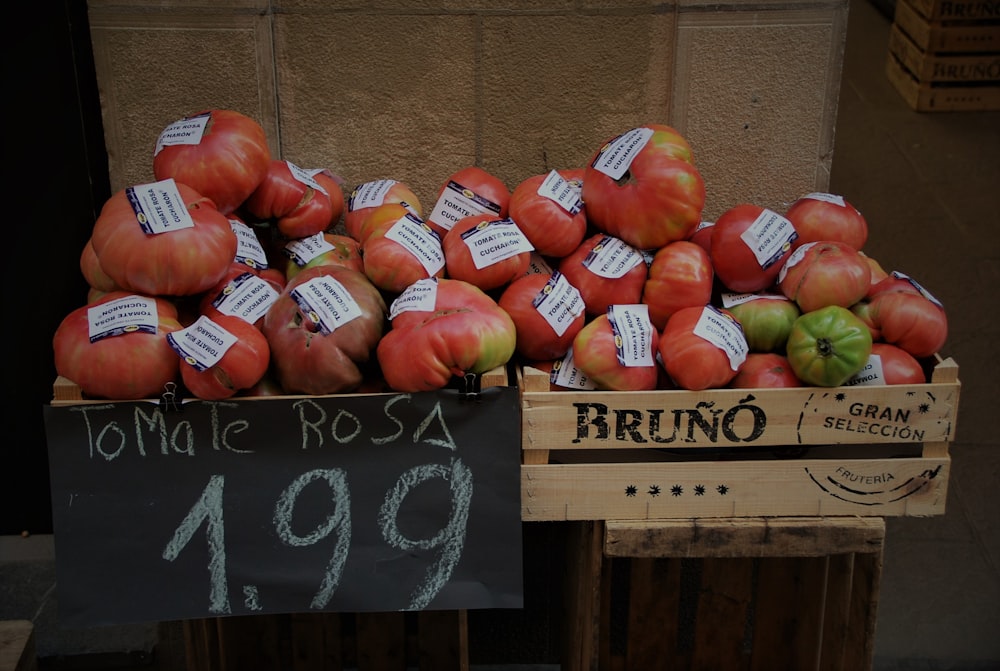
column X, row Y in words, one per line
column 927, row 96
column 809, row 451
column 933, row 68
column 17, row 646
column 426, row 640
column 958, row 10
column 735, row 594
column 943, row 36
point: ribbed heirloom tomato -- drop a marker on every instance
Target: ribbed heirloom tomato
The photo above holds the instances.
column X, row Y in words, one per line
column 642, row 187
column 549, row 211
column 827, row 347
column 679, row 276
column 702, row 348
column 235, row 358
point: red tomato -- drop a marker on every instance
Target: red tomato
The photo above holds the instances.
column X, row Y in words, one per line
column 898, row 365
column 702, row 348
column 826, row 216
column 180, row 261
column 322, row 249
column 615, row 358
column 679, row 276
column 241, row 366
column 765, row 370
column 749, row 246
column 702, row 236
column 548, row 312
column 221, row 154
column 323, row 345
column 485, row 251
column 606, row 270
column 642, row 187
column 824, row 273
column 397, row 253
column 127, row 364
column 300, row 202
column 549, row 211
column 907, row 316
column 766, row 319
column 367, row 196
column 878, row 272
column 95, row 276
column 468, row 192
column 442, row 329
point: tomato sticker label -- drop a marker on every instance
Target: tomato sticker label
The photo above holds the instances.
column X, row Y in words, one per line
column 326, row 302
column 494, row 241
column 203, row 344
column 420, row 240
column 369, row 194
column 421, row 296
column 633, row 334
column 612, row 258
column 559, row 303
column 827, row 198
column 128, row 314
column 158, row 207
column 730, row 299
column 457, row 202
column 304, row 250
column 188, row 130
column 537, row 265
column 564, row 193
column 565, row 374
column 769, row 237
column 249, row 251
column 794, row 259
column 616, row 156
column 306, row 177
column 725, row 333
column 246, row 296
column 871, row 375
column 916, row 285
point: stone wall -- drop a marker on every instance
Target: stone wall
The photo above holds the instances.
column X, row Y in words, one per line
column 414, row 90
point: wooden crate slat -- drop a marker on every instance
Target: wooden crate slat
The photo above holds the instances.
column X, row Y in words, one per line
column 791, row 487
column 653, row 602
column 315, row 642
column 443, row 640
column 837, row 614
column 749, row 537
column 859, row 650
column 724, row 601
column 787, row 630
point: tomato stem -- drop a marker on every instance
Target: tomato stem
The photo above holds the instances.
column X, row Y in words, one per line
column 824, row 347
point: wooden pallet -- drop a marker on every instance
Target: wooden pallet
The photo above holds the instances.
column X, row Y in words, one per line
column 735, row 594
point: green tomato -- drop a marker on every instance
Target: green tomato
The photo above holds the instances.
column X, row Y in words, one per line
column 828, row 346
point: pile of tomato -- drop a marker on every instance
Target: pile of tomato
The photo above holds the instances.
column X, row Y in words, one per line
column 236, row 273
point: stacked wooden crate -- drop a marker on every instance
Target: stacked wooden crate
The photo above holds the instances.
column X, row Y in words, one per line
column 944, row 55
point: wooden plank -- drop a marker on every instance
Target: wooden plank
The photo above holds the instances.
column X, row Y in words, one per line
column 381, row 641
column 443, row 640
column 859, row 651
column 684, row 420
column 958, row 10
column 201, row 642
column 787, row 629
column 723, row 608
column 791, row 487
column 582, row 633
column 836, row 617
column 250, row 641
column 653, row 604
column 749, row 537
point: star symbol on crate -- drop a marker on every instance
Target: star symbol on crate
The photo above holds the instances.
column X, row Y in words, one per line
column 924, row 408
column 676, row 490
column 840, row 397
column 631, row 490
column 699, row 490
column 654, row 490
column 722, row 489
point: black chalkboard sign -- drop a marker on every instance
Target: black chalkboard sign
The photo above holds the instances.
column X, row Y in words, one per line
column 346, row 503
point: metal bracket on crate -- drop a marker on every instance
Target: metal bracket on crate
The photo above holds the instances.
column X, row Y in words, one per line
column 168, row 400
column 471, row 385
